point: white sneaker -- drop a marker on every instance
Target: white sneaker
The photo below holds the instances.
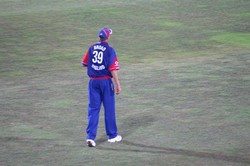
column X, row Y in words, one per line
column 91, row 143
column 118, row 138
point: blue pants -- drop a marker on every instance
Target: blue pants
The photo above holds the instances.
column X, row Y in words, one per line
column 101, row 91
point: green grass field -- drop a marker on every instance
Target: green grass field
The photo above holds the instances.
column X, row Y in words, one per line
column 185, row 75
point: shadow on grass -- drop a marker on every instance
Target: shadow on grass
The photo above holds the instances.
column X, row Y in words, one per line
column 129, row 123
column 145, row 120
column 191, row 153
column 139, row 120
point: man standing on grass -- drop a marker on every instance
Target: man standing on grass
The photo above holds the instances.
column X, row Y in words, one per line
column 102, row 65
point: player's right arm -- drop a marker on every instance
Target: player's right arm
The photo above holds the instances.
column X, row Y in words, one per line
column 114, row 66
column 117, row 82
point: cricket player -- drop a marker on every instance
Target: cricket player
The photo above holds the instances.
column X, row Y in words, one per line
column 102, row 65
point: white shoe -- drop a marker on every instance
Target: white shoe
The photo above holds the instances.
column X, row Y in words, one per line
column 91, row 143
column 118, row 138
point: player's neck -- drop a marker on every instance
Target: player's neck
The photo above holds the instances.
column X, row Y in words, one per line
column 103, row 41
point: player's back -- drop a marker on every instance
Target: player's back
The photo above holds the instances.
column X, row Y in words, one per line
column 99, row 59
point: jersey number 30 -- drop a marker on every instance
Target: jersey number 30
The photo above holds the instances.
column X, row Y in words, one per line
column 98, row 57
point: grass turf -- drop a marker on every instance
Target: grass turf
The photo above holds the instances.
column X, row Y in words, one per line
column 184, row 74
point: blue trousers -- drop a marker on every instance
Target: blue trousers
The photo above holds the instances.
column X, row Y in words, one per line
column 101, row 92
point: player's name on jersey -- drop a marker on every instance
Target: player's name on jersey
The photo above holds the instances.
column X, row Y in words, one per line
column 102, row 67
column 99, row 47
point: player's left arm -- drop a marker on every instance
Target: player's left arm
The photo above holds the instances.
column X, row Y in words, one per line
column 85, row 59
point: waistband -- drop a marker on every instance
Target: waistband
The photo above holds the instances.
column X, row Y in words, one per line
column 100, row 78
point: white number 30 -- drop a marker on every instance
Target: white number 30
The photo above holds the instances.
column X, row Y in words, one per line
column 98, row 57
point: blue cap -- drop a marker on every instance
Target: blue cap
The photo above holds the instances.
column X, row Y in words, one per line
column 104, row 33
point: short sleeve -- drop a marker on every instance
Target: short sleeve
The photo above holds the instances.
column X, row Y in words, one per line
column 85, row 59
column 114, row 63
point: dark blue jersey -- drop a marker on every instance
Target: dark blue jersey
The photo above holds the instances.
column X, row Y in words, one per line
column 100, row 59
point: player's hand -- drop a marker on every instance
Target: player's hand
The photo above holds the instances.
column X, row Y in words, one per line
column 117, row 82
column 118, row 89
